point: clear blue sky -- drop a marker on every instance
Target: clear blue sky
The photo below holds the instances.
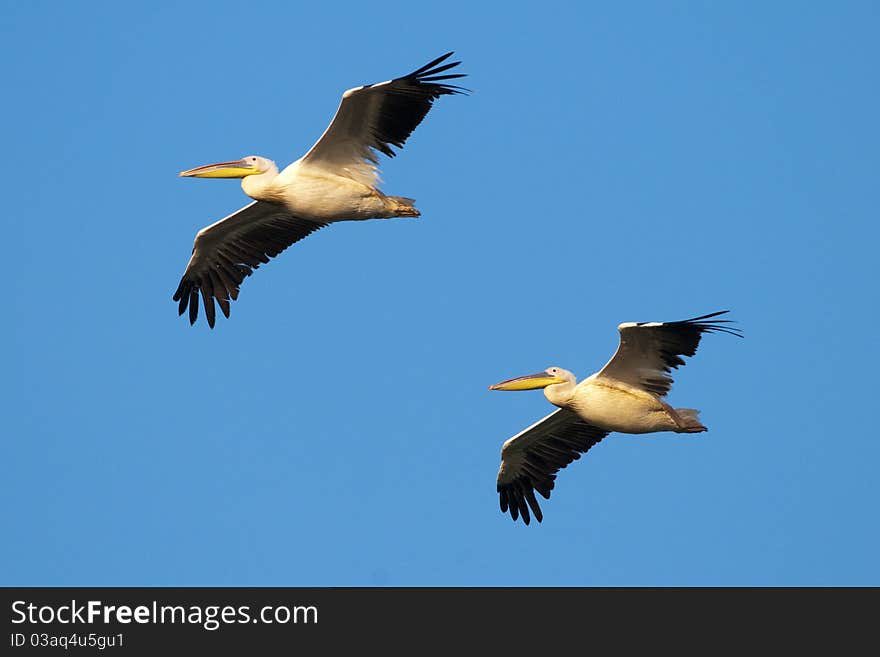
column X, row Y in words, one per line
column 616, row 162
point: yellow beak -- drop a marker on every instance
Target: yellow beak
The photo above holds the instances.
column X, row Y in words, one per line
column 529, row 382
column 232, row 169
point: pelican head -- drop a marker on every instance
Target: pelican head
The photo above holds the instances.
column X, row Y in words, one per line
column 246, row 166
column 549, row 377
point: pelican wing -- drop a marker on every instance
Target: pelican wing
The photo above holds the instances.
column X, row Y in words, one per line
column 227, row 252
column 649, row 351
column 531, row 459
column 375, row 117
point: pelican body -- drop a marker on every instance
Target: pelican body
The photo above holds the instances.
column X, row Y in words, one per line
column 336, row 180
column 308, row 191
column 609, row 404
column 626, row 395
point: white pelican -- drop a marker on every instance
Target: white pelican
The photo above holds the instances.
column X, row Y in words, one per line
column 335, row 181
column 626, row 396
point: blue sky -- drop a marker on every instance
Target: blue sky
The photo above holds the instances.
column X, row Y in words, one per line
column 637, row 162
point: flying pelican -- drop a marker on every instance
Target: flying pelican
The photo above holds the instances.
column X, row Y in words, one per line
column 336, row 180
column 626, row 396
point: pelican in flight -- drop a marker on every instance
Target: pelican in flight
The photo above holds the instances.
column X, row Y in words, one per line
column 626, row 396
column 335, row 181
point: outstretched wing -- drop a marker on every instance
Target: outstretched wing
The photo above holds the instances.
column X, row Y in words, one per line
column 375, row 117
column 649, row 351
column 531, row 459
column 227, row 252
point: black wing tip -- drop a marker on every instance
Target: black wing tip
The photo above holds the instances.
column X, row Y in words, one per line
column 709, row 316
column 517, row 498
column 430, row 65
column 729, row 330
column 430, row 73
column 187, row 296
column 700, row 325
column 718, row 326
column 182, row 296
